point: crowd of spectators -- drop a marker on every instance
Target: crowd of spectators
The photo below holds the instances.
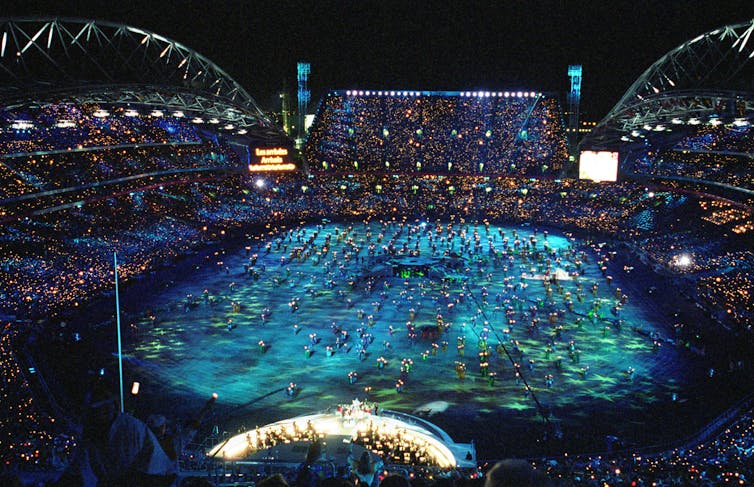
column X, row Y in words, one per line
column 438, row 133
column 725, row 459
column 64, row 127
column 28, row 433
column 718, row 154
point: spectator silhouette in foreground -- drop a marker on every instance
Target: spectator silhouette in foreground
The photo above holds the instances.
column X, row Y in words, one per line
column 515, row 473
column 174, row 440
column 395, row 480
column 116, row 450
column 274, row 480
column 365, row 469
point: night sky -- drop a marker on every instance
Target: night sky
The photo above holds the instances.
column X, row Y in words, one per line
column 420, row 45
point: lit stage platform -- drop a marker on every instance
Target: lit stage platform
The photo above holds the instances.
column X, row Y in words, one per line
column 392, row 437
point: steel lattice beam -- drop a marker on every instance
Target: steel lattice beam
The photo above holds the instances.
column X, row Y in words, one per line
column 701, row 78
column 39, row 56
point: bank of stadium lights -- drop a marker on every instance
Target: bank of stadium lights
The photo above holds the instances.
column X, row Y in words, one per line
column 214, row 121
column 157, row 113
column 694, row 121
column 178, row 114
column 676, row 121
column 715, row 121
column 197, row 120
column 230, row 126
column 101, row 113
column 462, row 94
column 682, row 260
column 131, row 113
column 22, row 125
column 500, row 94
column 65, row 124
column 741, row 122
column 242, row 132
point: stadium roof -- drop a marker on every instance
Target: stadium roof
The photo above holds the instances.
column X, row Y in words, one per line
column 77, row 60
column 707, row 79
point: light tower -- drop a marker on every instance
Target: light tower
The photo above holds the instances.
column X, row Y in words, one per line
column 304, row 95
column 574, row 97
column 285, row 111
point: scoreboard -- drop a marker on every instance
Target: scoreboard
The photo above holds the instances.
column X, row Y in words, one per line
column 271, row 159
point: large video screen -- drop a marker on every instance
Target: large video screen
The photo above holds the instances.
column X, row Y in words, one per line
column 598, row 165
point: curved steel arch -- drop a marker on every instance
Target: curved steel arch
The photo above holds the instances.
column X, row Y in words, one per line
column 712, row 73
column 37, row 54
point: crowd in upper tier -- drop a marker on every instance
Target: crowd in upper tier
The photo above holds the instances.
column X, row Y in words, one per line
column 438, row 134
column 68, row 126
column 718, row 154
column 59, row 147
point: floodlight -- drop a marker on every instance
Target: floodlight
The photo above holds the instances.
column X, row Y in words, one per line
column 683, row 260
column 22, row 125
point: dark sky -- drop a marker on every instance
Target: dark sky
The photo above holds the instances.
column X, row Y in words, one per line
column 422, row 45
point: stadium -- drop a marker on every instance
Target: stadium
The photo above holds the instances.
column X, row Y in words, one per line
column 438, row 279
